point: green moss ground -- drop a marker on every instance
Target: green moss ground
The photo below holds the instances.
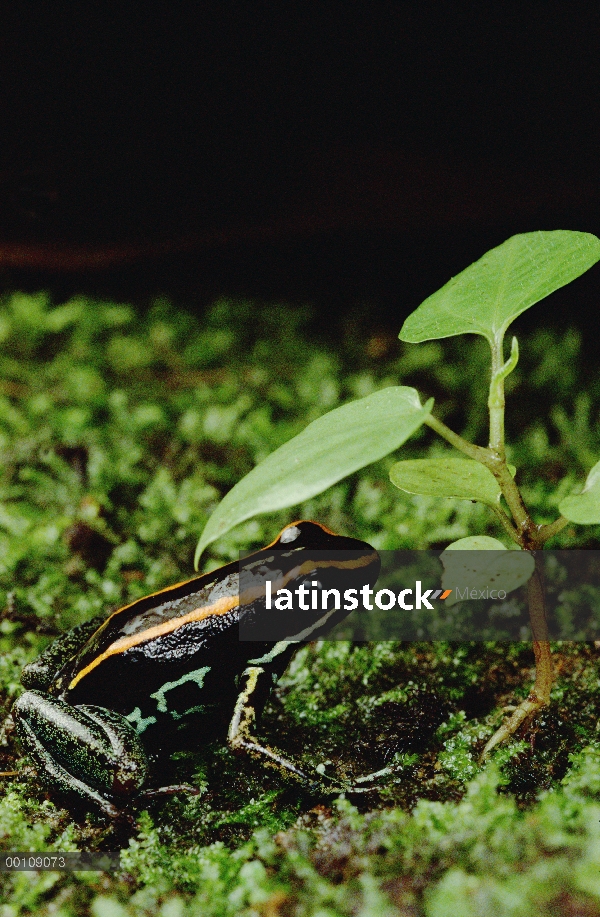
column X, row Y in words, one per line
column 118, row 437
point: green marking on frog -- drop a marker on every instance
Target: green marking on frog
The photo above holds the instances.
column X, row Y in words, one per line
column 139, row 723
column 198, row 675
column 199, row 708
column 280, row 647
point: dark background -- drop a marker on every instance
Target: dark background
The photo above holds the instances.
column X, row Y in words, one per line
column 335, row 152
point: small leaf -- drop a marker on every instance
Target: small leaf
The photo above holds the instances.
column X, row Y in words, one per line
column 584, row 508
column 488, row 295
column 329, row 449
column 475, row 543
column 447, row 477
column 499, row 570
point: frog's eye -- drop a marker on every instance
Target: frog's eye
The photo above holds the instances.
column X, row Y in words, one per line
column 289, row 534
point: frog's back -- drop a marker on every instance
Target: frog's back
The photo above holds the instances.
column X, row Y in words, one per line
column 169, row 660
column 176, row 655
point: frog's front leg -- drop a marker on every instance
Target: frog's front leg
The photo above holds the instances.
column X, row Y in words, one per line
column 91, row 753
column 255, row 689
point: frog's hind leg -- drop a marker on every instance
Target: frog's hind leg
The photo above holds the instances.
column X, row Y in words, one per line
column 90, row 754
column 241, row 729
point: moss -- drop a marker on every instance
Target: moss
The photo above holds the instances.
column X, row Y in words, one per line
column 118, row 436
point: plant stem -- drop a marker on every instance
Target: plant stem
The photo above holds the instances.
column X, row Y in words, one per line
column 496, row 399
column 546, row 532
column 506, row 523
column 500, row 370
column 475, row 452
column 539, row 696
column 539, row 630
column 521, row 528
column 526, row 530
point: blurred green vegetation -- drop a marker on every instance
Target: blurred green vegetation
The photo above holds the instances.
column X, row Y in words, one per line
column 119, row 434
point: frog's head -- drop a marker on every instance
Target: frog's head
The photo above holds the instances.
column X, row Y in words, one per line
column 308, row 535
column 303, row 583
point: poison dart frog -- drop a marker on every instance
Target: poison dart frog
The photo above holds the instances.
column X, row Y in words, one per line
column 106, row 702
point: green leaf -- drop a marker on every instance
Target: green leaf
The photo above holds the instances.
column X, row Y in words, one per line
column 447, row 477
column 475, row 543
column 329, row 449
column 487, row 296
column 584, row 508
column 500, row 570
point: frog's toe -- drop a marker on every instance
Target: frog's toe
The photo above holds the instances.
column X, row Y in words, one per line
column 377, row 775
column 361, row 784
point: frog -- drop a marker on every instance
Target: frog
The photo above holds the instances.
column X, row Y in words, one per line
column 108, row 703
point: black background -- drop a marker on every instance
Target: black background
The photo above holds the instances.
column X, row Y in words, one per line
column 336, row 152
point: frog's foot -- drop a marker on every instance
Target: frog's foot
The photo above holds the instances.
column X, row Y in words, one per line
column 377, row 775
column 318, row 783
column 172, row 790
column 358, row 784
column 324, row 785
column 520, row 716
column 246, row 744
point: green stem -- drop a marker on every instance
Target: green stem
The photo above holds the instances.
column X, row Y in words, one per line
column 500, row 370
column 526, row 531
column 496, row 400
column 523, row 531
column 475, row 452
column 506, row 523
column 545, row 532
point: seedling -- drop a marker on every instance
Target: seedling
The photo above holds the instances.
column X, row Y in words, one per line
column 484, row 299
